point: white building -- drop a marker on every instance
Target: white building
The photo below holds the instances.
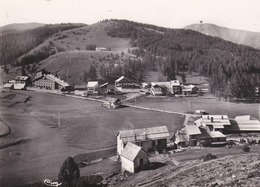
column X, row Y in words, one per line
column 133, row 158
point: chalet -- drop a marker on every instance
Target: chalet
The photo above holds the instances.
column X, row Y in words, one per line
column 81, row 90
column 244, row 124
column 214, row 122
column 210, row 138
column 150, row 139
column 50, row 82
column 22, row 82
column 187, row 135
column 157, row 90
column 92, row 87
column 175, row 87
column 112, row 103
column 106, row 88
column 171, row 87
column 191, row 135
column 125, row 85
column 189, row 90
column 133, row 158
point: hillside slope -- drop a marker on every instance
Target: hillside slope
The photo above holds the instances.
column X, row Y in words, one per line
column 248, row 38
column 19, row 27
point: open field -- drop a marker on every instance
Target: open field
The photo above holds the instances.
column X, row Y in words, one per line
column 209, row 103
column 84, row 127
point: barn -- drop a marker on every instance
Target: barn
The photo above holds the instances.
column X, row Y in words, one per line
column 133, row 158
column 150, row 139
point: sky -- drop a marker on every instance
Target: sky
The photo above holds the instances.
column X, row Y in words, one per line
column 236, row 14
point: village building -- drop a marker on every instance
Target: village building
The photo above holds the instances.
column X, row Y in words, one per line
column 157, row 90
column 211, row 138
column 244, row 124
column 176, row 87
column 150, row 139
column 163, row 88
column 111, row 102
column 106, row 88
column 81, row 90
column 50, row 82
column 214, row 122
column 92, row 87
column 187, row 135
column 192, row 135
column 125, row 85
column 22, row 82
column 189, row 90
column 133, row 158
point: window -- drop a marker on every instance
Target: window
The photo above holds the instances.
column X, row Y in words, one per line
column 141, row 161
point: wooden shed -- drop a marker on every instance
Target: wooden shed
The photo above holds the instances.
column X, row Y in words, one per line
column 133, row 158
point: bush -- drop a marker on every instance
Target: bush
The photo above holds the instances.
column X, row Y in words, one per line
column 208, row 157
column 246, row 148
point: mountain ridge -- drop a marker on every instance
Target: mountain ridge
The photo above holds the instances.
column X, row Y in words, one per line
column 241, row 37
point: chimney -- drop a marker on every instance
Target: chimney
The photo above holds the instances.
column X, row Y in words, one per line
column 211, row 119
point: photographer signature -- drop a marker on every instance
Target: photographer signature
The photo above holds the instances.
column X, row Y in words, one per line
column 49, row 182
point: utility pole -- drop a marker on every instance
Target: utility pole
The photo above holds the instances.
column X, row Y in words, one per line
column 59, row 120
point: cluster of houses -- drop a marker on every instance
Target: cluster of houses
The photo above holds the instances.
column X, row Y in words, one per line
column 42, row 80
column 47, row 81
column 135, row 145
column 211, row 130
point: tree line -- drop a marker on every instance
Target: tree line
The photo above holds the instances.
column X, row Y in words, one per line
column 14, row 45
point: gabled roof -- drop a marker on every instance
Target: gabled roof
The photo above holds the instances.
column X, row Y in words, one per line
column 120, row 78
column 8, row 85
column 152, row 133
column 175, row 83
column 103, row 85
column 92, row 83
column 192, row 129
column 111, row 99
column 245, row 123
column 131, row 151
column 21, row 78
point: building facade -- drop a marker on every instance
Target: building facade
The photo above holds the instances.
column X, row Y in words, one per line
column 150, row 139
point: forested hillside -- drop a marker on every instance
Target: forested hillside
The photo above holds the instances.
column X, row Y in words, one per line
column 234, row 69
column 14, row 45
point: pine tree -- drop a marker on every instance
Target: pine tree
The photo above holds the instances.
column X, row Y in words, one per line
column 69, row 173
column 23, row 73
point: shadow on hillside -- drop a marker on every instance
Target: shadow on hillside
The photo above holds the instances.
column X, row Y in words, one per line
column 154, row 166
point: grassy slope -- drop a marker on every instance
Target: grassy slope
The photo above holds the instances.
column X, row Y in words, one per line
column 70, row 66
